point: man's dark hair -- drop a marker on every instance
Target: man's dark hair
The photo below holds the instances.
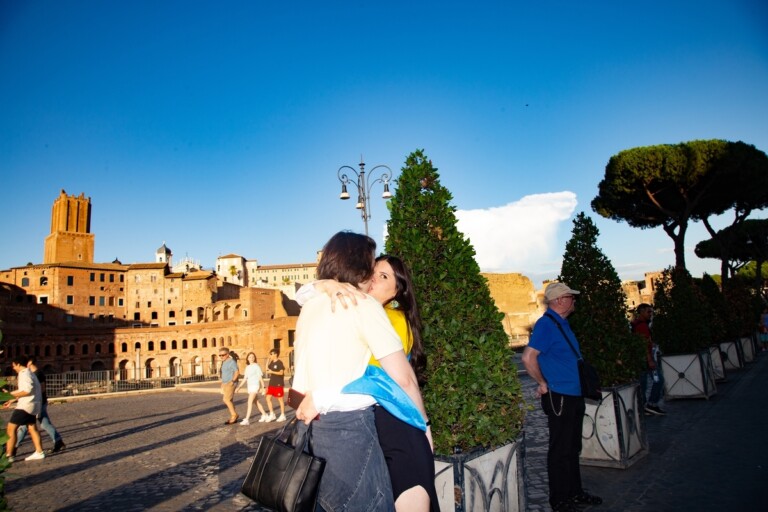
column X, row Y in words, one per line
column 21, row 360
column 347, row 258
column 275, row 351
column 642, row 308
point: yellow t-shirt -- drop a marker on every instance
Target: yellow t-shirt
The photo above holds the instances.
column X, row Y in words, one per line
column 397, row 318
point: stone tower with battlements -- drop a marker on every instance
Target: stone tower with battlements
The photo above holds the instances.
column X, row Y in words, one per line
column 71, row 239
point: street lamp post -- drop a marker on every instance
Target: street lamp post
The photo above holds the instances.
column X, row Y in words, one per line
column 364, row 186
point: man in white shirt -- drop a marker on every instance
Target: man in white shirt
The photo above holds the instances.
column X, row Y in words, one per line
column 29, row 400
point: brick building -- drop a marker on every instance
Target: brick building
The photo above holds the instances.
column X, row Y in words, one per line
column 141, row 319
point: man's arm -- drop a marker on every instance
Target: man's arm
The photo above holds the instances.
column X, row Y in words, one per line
column 531, row 363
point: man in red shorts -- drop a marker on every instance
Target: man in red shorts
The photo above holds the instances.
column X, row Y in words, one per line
column 276, row 372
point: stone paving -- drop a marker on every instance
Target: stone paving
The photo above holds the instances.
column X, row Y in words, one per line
column 704, row 455
column 170, row 450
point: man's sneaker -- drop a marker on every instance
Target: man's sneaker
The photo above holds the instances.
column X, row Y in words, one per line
column 584, row 498
column 245, row 422
column 281, row 418
column 270, row 417
column 263, row 418
column 565, row 506
column 36, row 456
column 58, row 446
column 654, row 409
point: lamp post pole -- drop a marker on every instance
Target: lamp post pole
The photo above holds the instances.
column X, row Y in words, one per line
column 364, row 185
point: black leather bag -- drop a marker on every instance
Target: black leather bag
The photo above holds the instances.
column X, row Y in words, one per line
column 284, row 477
column 590, row 381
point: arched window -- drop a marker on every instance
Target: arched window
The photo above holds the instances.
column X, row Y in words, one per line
column 71, row 350
column 194, row 343
column 205, row 343
column 111, row 348
column 47, row 351
column 85, row 349
column 137, row 346
column 162, row 344
column 151, row 346
column 124, row 347
column 97, row 349
column 59, row 350
column 174, row 346
column 43, row 281
column 183, row 344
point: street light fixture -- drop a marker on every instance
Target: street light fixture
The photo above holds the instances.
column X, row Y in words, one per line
column 364, row 187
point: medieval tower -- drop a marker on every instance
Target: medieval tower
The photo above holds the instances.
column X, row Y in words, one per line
column 71, row 239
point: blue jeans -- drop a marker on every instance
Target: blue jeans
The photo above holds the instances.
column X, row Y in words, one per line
column 656, row 387
column 45, row 423
column 355, row 477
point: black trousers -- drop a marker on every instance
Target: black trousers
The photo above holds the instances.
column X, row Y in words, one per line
column 565, row 415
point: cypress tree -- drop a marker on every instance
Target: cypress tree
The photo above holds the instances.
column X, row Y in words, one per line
column 600, row 320
column 472, row 394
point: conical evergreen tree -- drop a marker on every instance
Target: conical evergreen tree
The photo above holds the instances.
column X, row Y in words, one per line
column 472, row 394
column 680, row 322
column 600, row 321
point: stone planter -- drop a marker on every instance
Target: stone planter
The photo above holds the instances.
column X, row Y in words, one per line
column 613, row 431
column 482, row 481
column 732, row 358
column 688, row 375
column 747, row 349
column 717, row 363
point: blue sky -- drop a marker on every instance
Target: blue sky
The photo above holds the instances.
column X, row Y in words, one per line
column 218, row 127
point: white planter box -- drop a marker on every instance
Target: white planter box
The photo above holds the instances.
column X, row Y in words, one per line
column 732, row 358
column 613, row 431
column 717, row 363
column 748, row 350
column 482, row 481
column 688, row 375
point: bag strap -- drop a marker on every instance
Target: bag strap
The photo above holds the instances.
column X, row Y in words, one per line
column 562, row 331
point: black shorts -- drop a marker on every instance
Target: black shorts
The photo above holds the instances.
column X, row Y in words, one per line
column 22, row 417
column 409, row 459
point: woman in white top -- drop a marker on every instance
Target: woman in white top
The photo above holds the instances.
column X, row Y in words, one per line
column 253, row 376
column 333, row 349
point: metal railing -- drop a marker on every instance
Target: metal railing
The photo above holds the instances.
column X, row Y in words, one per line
column 110, row 381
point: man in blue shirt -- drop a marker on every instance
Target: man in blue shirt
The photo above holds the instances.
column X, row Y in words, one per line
column 229, row 375
column 550, row 361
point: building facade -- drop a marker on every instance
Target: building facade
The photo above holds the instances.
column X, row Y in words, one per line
column 141, row 320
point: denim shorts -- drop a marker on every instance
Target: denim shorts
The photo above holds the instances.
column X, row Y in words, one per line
column 355, row 477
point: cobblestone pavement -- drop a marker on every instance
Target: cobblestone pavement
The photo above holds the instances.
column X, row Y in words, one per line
column 704, row 455
column 163, row 451
column 169, row 451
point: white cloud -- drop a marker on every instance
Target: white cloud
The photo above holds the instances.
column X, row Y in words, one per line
column 519, row 236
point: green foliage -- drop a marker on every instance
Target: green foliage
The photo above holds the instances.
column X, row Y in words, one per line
column 680, row 324
column 745, row 306
column 472, row 395
column 721, row 322
column 671, row 184
column 749, row 271
column 737, row 244
column 600, row 321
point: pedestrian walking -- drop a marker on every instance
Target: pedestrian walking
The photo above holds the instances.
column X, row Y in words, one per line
column 28, row 398
column 43, row 418
column 229, row 376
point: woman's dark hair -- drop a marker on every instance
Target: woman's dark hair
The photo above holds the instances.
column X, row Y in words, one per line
column 406, row 302
column 347, row 258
